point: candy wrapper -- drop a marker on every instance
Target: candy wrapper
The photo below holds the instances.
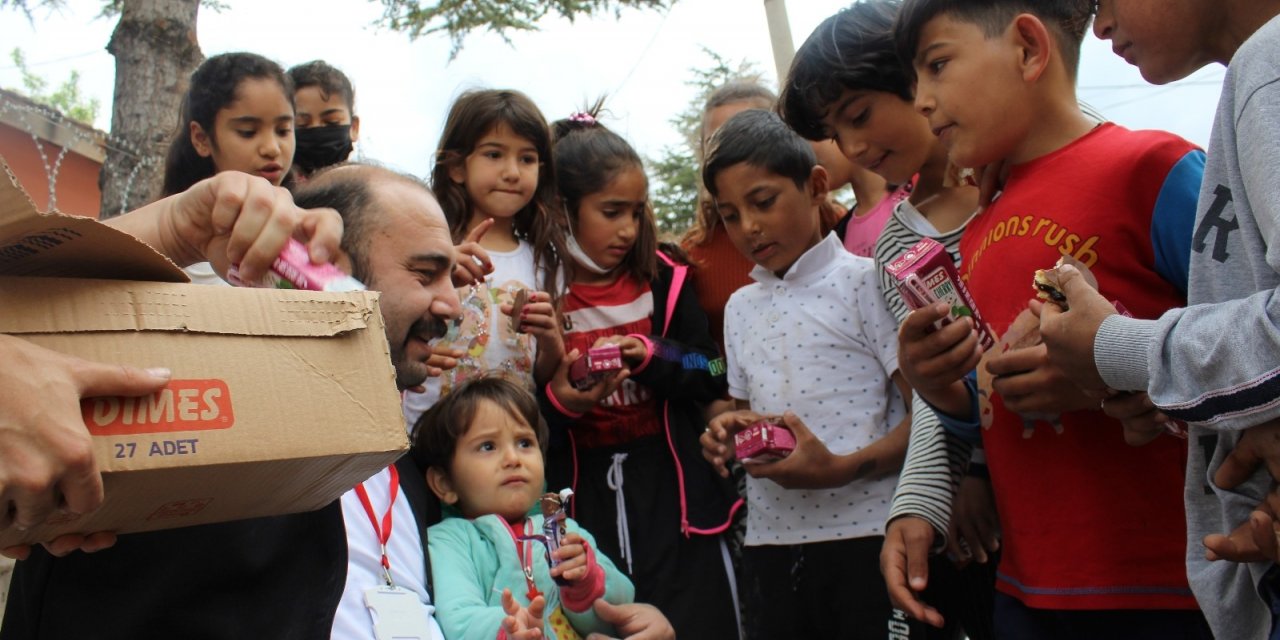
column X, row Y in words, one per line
column 554, row 513
column 925, row 274
column 292, row 269
column 764, row 441
column 599, row 363
column 1048, row 287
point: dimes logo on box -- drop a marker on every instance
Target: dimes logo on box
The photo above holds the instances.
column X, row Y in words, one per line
column 183, row 405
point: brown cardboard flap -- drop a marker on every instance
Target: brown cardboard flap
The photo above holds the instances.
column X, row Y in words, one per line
column 66, row 305
column 60, row 245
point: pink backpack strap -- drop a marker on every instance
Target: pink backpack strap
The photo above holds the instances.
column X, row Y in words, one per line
column 677, row 283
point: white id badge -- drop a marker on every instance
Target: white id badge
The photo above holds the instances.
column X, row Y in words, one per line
column 397, row 614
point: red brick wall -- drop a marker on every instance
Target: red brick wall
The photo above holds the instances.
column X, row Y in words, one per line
column 77, row 178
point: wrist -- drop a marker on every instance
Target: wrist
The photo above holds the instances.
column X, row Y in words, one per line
column 952, row 399
column 560, row 406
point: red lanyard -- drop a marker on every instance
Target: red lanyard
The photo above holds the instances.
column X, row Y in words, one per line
column 383, row 532
column 524, row 549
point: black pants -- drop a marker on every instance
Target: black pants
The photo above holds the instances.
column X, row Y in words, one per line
column 819, row 590
column 965, row 598
column 684, row 577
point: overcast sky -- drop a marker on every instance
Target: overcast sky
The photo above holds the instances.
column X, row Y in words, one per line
column 641, row 60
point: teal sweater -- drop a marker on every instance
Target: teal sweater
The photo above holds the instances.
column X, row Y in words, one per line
column 472, row 561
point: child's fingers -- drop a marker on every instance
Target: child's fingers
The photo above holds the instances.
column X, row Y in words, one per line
column 1238, row 466
column 509, row 605
column 467, row 272
column 1018, row 361
column 919, row 323
column 461, row 276
column 477, row 233
column 571, row 569
column 536, row 607
column 440, row 362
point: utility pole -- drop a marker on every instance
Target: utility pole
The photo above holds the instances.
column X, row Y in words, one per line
column 784, row 49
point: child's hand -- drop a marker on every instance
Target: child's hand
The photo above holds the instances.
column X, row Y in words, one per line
column 1258, row 538
column 1142, row 421
column 990, row 179
column 633, row 621
column 975, row 527
column 1070, row 334
column 810, row 466
column 473, row 261
column 934, row 361
column 522, row 623
column 572, row 555
column 904, row 563
column 633, row 350
column 538, row 318
column 582, row 401
column 443, row 357
column 717, row 439
column 1030, row 384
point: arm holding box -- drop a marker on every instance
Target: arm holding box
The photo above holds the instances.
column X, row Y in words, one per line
column 935, row 362
column 232, row 218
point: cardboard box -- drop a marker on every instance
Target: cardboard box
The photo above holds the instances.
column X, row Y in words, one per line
column 280, row 402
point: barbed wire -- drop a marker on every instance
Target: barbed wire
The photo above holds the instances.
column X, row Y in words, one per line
column 34, row 117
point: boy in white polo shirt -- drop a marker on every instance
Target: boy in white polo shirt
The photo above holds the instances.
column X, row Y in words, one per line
column 811, row 341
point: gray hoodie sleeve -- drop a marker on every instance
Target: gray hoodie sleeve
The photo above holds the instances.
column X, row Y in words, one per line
column 1217, row 363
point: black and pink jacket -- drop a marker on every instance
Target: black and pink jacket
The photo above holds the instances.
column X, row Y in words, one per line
column 685, row 371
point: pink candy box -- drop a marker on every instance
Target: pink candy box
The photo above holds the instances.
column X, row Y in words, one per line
column 925, row 274
column 764, row 441
column 598, row 364
column 292, row 269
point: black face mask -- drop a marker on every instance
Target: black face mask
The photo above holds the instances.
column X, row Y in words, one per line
column 319, row 147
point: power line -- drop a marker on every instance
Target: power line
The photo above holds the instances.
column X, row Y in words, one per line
column 1158, row 92
column 1143, row 85
column 54, row 61
column 645, row 53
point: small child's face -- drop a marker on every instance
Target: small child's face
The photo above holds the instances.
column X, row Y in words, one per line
column 881, row 132
column 1164, row 39
column 497, row 467
column 501, row 173
column 972, row 91
column 769, row 219
column 252, row 134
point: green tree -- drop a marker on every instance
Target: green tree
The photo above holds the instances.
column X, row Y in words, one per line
column 66, row 98
column 155, row 47
column 457, row 18
column 675, row 170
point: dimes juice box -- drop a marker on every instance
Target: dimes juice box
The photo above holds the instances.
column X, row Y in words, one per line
column 925, row 274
